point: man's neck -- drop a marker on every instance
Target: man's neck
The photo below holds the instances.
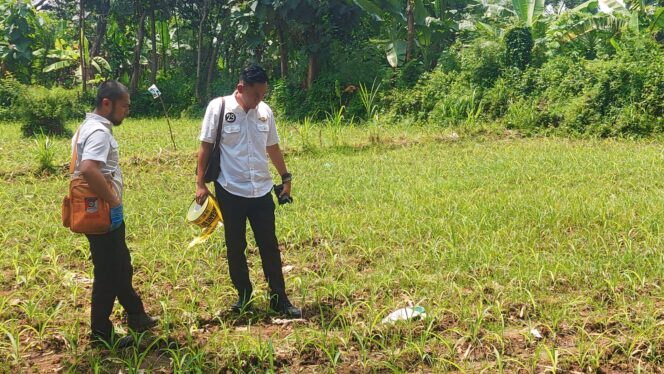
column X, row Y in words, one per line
column 103, row 116
column 240, row 100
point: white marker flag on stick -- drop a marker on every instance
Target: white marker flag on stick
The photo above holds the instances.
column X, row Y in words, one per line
column 154, row 90
column 156, row 94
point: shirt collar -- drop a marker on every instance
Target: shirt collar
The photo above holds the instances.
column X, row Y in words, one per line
column 233, row 105
column 104, row 121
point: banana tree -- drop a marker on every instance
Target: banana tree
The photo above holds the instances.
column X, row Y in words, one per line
column 69, row 56
column 528, row 11
column 428, row 25
column 19, row 21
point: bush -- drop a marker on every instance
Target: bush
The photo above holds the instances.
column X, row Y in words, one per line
column 409, row 74
column 287, row 100
column 177, row 92
column 418, row 102
column 44, row 111
column 194, row 111
column 518, row 47
column 622, row 95
column 10, row 91
column 482, row 62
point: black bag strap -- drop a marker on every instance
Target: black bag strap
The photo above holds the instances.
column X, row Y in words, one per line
column 220, row 123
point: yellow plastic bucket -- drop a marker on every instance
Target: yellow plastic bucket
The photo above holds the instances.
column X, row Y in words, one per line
column 206, row 215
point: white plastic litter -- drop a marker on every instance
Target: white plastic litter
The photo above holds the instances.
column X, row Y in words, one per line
column 279, row 321
column 536, row 333
column 404, row 314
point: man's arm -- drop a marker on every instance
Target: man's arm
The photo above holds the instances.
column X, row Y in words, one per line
column 277, row 158
column 91, row 171
column 204, row 153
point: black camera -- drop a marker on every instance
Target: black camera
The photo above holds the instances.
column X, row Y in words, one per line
column 285, row 199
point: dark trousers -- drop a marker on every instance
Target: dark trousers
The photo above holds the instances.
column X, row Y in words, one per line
column 235, row 211
column 113, row 273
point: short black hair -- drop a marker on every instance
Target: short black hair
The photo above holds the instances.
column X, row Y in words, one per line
column 253, row 73
column 112, row 90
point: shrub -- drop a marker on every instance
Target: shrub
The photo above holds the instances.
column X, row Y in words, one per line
column 45, row 153
column 482, row 61
column 518, row 47
column 10, row 90
column 44, row 110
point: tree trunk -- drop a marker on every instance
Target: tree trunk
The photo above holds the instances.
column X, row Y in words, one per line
column 81, row 25
column 211, row 68
column 283, row 52
column 164, row 48
column 100, row 33
column 136, row 63
column 258, row 54
column 177, row 31
column 312, row 72
column 153, row 39
column 411, row 30
column 199, row 47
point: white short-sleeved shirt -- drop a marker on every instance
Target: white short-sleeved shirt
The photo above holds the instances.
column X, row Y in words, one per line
column 244, row 160
column 96, row 142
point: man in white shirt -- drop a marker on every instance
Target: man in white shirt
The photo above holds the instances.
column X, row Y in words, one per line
column 98, row 162
column 248, row 137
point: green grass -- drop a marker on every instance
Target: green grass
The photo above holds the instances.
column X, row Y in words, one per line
column 493, row 235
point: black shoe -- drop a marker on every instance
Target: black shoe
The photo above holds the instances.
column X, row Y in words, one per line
column 242, row 306
column 286, row 308
column 141, row 322
column 104, row 341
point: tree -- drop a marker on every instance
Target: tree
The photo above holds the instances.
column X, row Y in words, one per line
column 136, row 63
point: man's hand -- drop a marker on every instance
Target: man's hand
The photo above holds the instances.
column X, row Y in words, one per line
column 117, row 217
column 201, row 193
column 287, row 190
column 204, row 153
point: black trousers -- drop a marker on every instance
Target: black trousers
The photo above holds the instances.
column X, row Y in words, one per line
column 112, row 278
column 235, row 211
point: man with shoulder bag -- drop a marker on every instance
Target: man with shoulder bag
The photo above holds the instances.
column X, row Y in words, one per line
column 240, row 131
column 94, row 208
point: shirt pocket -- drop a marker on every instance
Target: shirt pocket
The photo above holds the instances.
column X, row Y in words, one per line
column 263, row 130
column 231, row 134
column 263, row 127
column 113, row 158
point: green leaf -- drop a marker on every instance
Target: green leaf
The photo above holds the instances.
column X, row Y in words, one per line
column 396, row 52
column 589, row 6
column 615, row 45
column 614, row 5
column 101, row 62
column 658, row 20
column 420, row 13
column 634, row 21
column 58, row 65
column 528, row 10
column 86, row 49
column 371, row 8
column 164, row 34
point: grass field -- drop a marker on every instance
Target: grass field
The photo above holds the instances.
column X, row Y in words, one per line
column 499, row 238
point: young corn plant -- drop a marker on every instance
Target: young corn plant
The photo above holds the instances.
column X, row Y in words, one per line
column 45, row 153
column 368, row 97
column 333, row 124
column 13, row 343
column 306, row 132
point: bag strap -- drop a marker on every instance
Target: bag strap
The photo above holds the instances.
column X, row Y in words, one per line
column 220, row 123
column 74, row 154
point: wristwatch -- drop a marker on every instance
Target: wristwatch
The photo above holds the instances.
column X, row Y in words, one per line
column 286, row 177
